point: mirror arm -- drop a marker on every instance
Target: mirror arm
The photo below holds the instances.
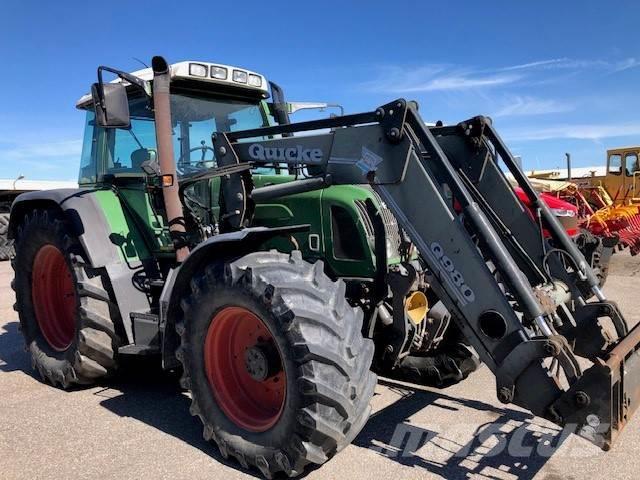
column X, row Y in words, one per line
column 293, row 107
column 132, row 79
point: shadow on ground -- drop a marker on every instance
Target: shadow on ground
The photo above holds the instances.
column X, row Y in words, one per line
column 512, row 444
column 515, row 444
column 12, row 355
column 146, row 393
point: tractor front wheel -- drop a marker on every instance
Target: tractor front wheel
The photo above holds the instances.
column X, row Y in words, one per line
column 275, row 361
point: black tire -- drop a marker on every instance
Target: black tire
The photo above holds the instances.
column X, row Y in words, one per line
column 324, row 355
column 92, row 352
column 6, row 245
column 597, row 254
column 441, row 369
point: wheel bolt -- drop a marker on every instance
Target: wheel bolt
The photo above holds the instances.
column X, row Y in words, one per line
column 582, row 399
column 505, row 395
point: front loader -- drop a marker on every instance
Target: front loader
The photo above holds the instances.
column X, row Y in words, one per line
column 515, row 294
column 277, row 361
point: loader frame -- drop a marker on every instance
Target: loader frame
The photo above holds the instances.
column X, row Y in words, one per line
column 514, row 293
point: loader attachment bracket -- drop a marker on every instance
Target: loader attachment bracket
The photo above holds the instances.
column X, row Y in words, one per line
column 601, row 402
column 598, row 325
column 526, row 355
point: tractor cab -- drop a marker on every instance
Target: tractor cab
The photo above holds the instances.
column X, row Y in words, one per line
column 207, row 98
column 622, row 180
column 204, row 98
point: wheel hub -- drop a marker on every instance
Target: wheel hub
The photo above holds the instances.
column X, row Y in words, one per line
column 262, row 361
column 256, row 362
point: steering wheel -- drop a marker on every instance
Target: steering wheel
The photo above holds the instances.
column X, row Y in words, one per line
column 185, row 167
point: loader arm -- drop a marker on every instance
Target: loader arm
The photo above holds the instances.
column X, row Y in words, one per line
column 514, row 293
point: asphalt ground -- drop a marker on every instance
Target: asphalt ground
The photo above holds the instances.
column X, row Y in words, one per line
column 138, row 425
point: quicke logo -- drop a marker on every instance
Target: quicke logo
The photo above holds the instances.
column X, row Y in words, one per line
column 285, row 154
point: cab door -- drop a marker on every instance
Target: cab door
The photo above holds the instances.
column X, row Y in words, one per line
column 632, row 176
column 614, row 181
column 623, row 175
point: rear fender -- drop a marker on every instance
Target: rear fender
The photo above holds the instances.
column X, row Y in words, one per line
column 220, row 248
column 88, row 223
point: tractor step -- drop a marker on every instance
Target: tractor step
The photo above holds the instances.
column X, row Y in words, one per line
column 138, row 350
column 146, row 332
column 156, row 282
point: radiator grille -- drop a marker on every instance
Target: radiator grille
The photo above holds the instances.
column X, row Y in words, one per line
column 391, row 228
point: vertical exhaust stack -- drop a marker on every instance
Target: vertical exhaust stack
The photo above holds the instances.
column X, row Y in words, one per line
column 162, row 107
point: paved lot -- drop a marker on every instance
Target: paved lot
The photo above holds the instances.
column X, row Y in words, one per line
column 138, row 426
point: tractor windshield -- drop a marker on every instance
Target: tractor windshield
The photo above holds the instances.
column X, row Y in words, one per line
column 194, row 119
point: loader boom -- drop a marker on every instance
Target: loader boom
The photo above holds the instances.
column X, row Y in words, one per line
column 515, row 294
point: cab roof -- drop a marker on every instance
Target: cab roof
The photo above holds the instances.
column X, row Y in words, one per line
column 623, row 149
column 204, row 73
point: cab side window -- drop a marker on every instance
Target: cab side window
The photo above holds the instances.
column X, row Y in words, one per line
column 631, row 163
column 128, row 148
column 88, row 164
column 615, row 164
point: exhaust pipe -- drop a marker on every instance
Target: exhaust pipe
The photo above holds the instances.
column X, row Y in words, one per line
column 172, row 204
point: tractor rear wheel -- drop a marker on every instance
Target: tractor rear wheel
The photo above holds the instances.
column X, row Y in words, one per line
column 62, row 303
column 6, row 245
column 275, row 361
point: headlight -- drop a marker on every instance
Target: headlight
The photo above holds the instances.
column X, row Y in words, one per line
column 198, row 70
column 391, row 253
column 239, row 76
column 219, row 73
column 255, row 80
column 561, row 212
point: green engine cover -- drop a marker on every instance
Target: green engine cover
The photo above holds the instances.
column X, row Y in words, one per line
column 341, row 233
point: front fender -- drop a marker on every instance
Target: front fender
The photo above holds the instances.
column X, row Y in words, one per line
column 83, row 213
column 223, row 247
column 89, row 224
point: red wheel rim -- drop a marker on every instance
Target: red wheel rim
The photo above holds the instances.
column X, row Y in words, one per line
column 254, row 405
column 54, row 297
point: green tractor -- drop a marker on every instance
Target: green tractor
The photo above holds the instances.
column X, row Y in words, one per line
column 278, row 271
column 91, row 265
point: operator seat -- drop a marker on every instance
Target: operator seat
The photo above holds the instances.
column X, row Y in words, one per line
column 139, row 156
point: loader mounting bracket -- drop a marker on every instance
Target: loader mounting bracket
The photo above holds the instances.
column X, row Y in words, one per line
column 392, row 117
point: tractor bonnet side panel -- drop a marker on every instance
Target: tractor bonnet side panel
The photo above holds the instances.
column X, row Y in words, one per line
column 340, row 231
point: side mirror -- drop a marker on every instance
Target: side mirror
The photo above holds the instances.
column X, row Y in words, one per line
column 111, row 105
column 279, row 107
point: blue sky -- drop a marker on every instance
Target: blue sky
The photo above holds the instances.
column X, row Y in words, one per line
column 555, row 76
